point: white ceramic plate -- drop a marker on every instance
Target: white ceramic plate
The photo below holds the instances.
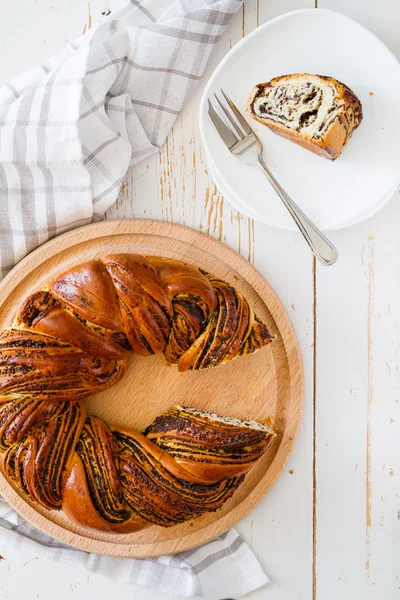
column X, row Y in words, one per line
column 333, row 194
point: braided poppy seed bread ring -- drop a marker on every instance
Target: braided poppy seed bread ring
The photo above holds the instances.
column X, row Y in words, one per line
column 72, row 340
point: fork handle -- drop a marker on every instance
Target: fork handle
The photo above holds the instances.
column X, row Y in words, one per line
column 321, row 247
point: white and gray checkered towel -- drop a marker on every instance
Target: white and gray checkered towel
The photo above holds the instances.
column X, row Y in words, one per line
column 223, row 568
column 69, row 129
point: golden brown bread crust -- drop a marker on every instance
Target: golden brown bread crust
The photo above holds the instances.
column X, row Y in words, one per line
column 164, row 458
column 331, row 144
column 121, row 481
column 78, row 505
column 71, row 340
column 47, row 368
column 19, row 415
column 92, row 493
column 126, row 303
column 204, row 446
column 37, row 463
column 155, row 493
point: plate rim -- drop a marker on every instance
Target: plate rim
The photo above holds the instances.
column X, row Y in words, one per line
column 226, row 190
column 239, row 206
column 295, row 367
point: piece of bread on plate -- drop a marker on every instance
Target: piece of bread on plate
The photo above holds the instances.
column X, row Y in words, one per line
column 314, row 111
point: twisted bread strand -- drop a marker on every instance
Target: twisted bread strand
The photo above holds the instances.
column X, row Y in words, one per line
column 44, row 367
column 38, row 462
column 125, row 303
column 188, row 462
column 71, row 340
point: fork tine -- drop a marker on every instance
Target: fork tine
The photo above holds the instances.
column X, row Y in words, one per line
column 222, row 127
column 228, row 115
column 237, row 114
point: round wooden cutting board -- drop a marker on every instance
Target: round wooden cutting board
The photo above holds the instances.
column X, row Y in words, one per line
column 266, row 385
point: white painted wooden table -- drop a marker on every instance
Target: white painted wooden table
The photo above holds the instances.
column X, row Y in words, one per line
column 330, row 528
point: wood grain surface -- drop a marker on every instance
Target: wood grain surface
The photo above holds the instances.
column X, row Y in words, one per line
column 265, row 386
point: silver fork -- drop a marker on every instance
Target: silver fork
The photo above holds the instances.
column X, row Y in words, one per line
column 246, row 147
